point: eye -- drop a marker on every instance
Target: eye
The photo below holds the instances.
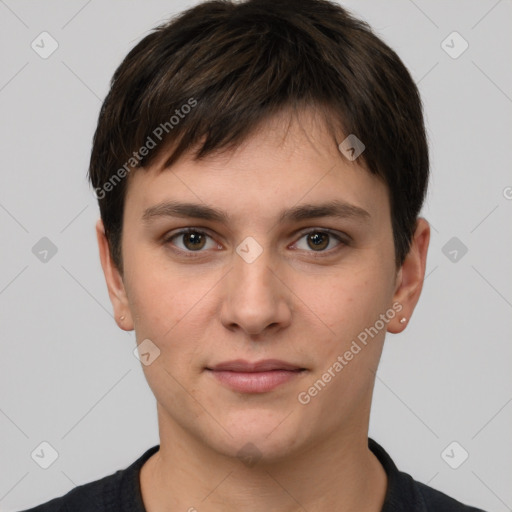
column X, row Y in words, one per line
column 319, row 241
column 192, row 240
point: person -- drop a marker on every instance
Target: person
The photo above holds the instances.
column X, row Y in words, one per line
column 260, row 167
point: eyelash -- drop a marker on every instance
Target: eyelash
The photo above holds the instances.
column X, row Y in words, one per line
column 302, row 234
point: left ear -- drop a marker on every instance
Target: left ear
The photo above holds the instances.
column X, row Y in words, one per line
column 410, row 277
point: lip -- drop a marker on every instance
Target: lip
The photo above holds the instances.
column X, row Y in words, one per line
column 241, row 365
column 255, row 377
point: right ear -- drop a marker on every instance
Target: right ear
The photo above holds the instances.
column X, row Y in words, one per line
column 115, row 285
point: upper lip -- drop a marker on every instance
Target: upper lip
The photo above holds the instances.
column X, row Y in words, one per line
column 240, row 365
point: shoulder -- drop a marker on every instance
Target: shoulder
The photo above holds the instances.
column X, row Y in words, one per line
column 404, row 494
column 91, row 496
column 119, row 491
column 428, row 499
column 439, row 502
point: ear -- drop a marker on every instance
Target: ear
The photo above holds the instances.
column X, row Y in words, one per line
column 410, row 277
column 115, row 285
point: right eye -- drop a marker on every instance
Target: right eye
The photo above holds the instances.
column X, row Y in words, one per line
column 191, row 240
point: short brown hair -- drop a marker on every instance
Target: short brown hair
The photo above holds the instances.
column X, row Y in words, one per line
column 206, row 79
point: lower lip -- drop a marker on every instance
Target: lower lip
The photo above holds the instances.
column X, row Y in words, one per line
column 255, row 382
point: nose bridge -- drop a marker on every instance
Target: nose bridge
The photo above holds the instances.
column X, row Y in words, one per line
column 253, row 280
column 256, row 298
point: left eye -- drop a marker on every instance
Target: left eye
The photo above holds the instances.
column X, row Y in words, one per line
column 319, row 241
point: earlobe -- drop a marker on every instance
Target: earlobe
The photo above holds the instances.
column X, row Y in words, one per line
column 115, row 285
column 411, row 276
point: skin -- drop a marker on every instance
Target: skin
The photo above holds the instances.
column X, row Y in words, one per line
column 287, row 304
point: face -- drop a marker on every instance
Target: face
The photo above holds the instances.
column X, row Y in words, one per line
column 288, row 255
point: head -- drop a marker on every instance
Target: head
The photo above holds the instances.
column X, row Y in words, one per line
column 234, row 119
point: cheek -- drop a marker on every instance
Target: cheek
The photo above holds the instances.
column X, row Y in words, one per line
column 348, row 300
column 161, row 303
column 169, row 306
column 155, row 292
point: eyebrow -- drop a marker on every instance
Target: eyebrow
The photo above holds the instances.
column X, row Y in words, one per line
column 337, row 208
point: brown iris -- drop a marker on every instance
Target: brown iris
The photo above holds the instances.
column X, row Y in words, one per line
column 318, row 240
column 194, row 241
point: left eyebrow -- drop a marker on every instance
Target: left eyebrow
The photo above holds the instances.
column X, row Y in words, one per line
column 336, row 208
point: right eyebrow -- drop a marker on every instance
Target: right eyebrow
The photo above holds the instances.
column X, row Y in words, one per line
column 177, row 209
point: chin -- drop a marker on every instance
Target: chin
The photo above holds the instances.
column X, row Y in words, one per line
column 256, row 438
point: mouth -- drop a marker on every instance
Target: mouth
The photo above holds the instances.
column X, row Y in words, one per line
column 256, row 377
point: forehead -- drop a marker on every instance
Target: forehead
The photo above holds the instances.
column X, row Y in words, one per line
column 285, row 161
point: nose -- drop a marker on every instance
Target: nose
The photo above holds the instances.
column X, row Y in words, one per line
column 256, row 299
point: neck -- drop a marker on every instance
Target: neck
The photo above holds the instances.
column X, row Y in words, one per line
column 339, row 474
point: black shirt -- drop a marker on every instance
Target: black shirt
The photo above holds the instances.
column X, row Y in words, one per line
column 120, row 492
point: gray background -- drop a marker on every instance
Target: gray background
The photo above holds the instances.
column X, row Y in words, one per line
column 67, row 373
